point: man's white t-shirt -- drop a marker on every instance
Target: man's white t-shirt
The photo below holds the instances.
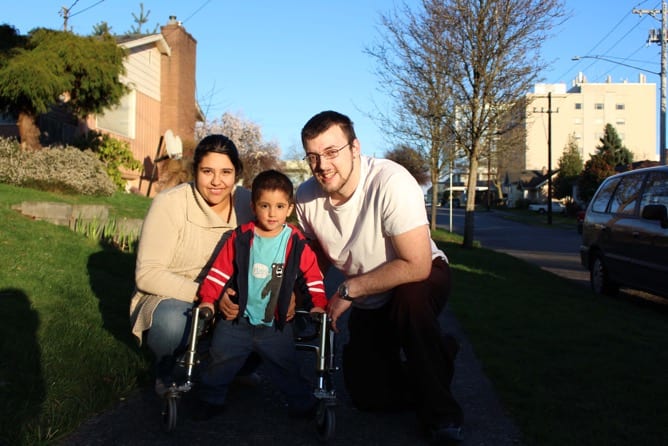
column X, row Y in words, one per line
column 355, row 236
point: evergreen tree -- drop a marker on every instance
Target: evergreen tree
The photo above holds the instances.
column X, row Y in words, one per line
column 570, row 166
column 612, row 143
column 141, row 19
column 102, row 29
column 599, row 167
column 58, row 67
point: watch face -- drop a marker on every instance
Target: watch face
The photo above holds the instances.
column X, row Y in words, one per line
column 343, row 290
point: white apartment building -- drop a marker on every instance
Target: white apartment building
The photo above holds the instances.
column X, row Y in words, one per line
column 583, row 111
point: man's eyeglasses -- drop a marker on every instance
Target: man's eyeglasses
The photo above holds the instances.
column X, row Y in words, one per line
column 329, row 154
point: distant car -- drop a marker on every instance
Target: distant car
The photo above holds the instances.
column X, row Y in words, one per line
column 625, row 233
column 541, row 208
column 444, row 202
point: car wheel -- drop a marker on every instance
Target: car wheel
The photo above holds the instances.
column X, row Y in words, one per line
column 600, row 279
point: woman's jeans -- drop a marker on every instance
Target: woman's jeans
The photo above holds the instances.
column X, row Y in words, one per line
column 168, row 335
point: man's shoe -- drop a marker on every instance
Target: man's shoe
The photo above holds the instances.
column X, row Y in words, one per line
column 447, row 434
column 205, row 411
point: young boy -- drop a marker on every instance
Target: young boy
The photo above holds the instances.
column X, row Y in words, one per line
column 263, row 261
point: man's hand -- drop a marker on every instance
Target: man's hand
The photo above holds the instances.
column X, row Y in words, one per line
column 229, row 309
column 336, row 308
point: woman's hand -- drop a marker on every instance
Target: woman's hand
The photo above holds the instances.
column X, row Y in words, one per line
column 229, row 309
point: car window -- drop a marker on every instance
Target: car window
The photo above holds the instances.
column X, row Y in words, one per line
column 656, row 190
column 600, row 203
column 626, row 195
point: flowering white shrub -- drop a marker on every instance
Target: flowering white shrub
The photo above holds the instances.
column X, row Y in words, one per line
column 56, row 169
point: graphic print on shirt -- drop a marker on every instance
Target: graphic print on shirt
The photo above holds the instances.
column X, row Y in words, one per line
column 272, row 288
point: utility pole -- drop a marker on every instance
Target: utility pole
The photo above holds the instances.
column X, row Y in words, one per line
column 549, row 112
column 65, row 13
column 660, row 38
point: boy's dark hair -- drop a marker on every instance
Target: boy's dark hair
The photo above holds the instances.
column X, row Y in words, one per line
column 271, row 180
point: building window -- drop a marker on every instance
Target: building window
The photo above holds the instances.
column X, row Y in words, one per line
column 578, row 106
column 620, row 121
column 619, row 106
column 577, row 121
column 121, row 118
column 598, row 106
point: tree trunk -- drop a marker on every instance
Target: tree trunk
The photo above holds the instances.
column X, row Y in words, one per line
column 434, row 201
column 470, row 202
column 28, row 132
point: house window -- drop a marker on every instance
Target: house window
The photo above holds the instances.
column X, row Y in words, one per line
column 120, row 119
column 619, row 106
column 598, row 106
column 7, row 119
column 578, row 106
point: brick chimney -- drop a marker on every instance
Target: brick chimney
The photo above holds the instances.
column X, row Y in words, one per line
column 179, row 103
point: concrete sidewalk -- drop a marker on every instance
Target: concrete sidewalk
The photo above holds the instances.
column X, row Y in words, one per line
column 256, row 416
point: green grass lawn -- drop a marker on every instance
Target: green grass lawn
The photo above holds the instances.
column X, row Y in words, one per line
column 571, row 367
column 64, row 332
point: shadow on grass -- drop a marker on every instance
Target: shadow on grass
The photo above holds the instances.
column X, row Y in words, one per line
column 111, row 276
column 20, row 365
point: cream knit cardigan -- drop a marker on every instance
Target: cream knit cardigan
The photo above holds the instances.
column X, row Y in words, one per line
column 178, row 238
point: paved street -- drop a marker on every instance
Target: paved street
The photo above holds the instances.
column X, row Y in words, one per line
column 554, row 249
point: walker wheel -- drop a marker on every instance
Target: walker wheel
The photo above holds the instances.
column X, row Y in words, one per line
column 169, row 412
column 325, row 420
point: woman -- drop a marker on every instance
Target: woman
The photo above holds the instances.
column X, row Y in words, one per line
column 182, row 228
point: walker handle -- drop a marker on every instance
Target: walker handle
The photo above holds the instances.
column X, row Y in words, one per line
column 205, row 313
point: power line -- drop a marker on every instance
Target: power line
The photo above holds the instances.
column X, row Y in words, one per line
column 86, row 9
column 197, row 10
column 612, row 30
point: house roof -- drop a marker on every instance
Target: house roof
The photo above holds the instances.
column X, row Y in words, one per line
column 527, row 179
column 130, row 42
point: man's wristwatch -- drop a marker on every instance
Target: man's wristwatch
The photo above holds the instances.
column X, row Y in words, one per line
column 343, row 292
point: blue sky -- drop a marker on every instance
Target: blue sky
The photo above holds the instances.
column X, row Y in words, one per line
column 278, row 63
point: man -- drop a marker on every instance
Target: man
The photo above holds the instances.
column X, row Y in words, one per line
column 369, row 221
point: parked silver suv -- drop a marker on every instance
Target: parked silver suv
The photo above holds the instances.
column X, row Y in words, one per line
column 625, row 233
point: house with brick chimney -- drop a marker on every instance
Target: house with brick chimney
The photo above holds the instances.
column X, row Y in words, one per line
column 160, row 72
